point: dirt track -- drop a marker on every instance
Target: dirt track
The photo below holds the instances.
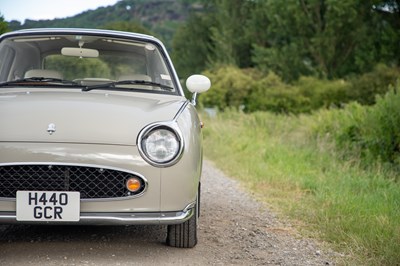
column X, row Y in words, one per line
column 234, row 229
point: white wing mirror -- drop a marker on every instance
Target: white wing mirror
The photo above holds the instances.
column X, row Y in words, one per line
column 197, row 84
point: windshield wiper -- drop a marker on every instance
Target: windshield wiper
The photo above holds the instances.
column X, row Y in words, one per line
column 29, row 81
column 114, row 85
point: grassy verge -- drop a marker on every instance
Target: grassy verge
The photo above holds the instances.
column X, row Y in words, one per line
column 276, row 156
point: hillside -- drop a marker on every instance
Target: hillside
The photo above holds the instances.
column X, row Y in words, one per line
column 161, row 17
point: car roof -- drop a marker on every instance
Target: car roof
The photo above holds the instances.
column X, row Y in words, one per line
column 108, row 33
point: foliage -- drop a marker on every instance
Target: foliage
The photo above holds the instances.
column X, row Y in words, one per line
column 160, row 17
column 301, row 175
column 325, row 53
column 230, row 86
column 369, row 133
column 251, row 90
column 127, row 26
column 381, row 129
column 322, row 38
column 3, row 25
column 230, row 45
column 212, row 36
column 306, row 95
column 324, row 93
column 188, row 49
column 331, row 38
column 365, row 87
column 272, row 94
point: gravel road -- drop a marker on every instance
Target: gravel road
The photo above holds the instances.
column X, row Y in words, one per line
column 234, row 230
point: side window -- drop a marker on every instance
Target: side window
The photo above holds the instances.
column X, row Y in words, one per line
column 158, row 67
column 7, row 55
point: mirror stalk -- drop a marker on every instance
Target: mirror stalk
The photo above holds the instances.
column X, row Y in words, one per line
column 194, row 98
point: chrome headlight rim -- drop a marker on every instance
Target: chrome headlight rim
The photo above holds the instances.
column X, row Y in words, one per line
column 144, row 133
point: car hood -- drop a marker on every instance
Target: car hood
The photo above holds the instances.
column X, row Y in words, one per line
column 82, row 117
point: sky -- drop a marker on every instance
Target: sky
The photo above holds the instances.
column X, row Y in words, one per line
column 47, row 9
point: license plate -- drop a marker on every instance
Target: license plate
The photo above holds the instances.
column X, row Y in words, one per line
column 54, row 206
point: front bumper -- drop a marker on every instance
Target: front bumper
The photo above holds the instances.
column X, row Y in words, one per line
column 115, row 218
column 169, row 189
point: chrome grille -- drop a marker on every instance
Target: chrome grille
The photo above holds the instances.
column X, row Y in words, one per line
column 91, row 182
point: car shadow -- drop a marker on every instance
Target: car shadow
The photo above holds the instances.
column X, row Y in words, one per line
column 72, row 233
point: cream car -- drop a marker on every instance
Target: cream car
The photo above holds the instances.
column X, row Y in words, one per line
column 95, row 129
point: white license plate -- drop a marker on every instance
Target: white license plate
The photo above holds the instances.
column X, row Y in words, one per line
column 54, row 206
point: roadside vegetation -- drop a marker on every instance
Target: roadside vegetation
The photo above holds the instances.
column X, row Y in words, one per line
column 335, row 172
column 308, row 114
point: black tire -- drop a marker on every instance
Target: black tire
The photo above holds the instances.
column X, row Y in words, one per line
column 183, row 235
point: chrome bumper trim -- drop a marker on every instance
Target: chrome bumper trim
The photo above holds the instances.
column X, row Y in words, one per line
column 113, row 218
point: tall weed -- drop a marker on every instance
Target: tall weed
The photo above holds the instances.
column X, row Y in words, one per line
column 371, row 133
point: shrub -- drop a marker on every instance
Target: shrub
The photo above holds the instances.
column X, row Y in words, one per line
column 381, row 128
column 306, row 95
column 272, row 94
column 369, row 132
column 323, row 93
column 365, row 87
column 230, row 87
column 234, row 87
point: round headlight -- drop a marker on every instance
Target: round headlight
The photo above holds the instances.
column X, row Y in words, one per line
column 161, row 145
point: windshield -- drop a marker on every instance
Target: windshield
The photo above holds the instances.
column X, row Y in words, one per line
column 86, row 60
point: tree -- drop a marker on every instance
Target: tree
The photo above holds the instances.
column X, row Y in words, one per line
column 294, row 38
column 325, row 37
column 390, row 9
column 389, row 13
column 228, row 33
column 3, row 25
column 191, row 45
column 214, row 36
column 127, row 26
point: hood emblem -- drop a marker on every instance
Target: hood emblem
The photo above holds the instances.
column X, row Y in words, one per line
column 51, row 128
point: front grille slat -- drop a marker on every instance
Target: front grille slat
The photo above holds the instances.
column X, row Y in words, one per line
column 91, row 182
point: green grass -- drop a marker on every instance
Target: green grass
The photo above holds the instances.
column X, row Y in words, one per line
column 302, row 177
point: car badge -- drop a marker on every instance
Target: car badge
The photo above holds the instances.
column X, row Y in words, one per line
column 51, row 128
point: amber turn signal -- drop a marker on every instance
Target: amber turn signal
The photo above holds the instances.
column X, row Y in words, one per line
column 133, row 184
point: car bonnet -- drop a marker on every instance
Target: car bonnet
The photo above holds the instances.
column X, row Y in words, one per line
column 98, row 117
